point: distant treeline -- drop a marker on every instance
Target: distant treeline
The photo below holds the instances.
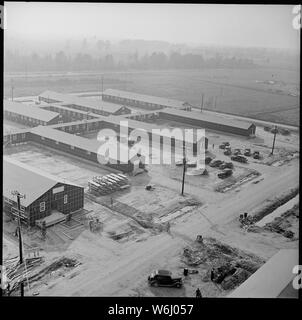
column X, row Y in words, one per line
column 15, row 62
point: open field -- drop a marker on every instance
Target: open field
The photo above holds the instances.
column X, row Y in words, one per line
column 246, row 92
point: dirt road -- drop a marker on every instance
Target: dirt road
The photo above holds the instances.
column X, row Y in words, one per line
column 128, row 268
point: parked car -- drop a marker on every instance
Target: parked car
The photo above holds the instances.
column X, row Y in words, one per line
column 227, row 152
column 274, row 130
column 208, row 160
column 163, row 278
column 215, row 163
column 226, row 173
column 191, row 163
column 256, row 155
column 284, row 132
column 247, row 152
column 267, row 128
column 237, row 152
column 239, row 159
column 226, row 165
column 224, row 145
column 180, row 162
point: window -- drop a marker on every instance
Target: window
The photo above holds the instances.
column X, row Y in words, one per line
column 65, row 198
column 42, row 206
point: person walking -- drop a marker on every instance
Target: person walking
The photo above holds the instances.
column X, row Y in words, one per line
column 168, row 227
column 198, row 293
column 212, row 274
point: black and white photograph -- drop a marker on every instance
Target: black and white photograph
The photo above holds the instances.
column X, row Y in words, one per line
column 151, row 150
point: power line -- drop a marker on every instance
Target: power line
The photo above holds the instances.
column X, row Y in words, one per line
column 275, row 133
column 19, row 196
column 184, row 161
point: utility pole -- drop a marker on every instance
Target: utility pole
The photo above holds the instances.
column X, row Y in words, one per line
column 16, row 193
column 12, row 90
column 102, row 87
column 87, row 120
column 201, row 103
column 275, row 133
column 184, row 169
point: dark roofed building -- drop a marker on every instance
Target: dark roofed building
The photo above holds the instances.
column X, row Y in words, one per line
column 96, row 106
column 207, row 121
column 29, row 115
column 78, row 146
column 43, row 192
column 143, row 101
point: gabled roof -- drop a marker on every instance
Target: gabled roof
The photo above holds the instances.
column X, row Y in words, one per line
column 67, row 100
column 146, row 98
column 62, row 107
column 29, row 111
column 220, row 120
column 27, row 180
column 70, row 139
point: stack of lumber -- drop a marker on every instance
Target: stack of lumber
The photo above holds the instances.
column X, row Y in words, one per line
column 109, row 183
column 17, row 273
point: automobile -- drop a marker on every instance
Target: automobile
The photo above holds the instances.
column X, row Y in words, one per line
column 284, row 132
column 224, row 174
column 215, row 163
column 164, row 278
column 180, row 162
column 247, row 152
column 227, row 152
column 208, row 160
column 224, row 145
column 226, row 165
column 237, row 152
column 267, row 128
column 256, row 155
column 191, row 163
column 239, row 159
column 274, row 130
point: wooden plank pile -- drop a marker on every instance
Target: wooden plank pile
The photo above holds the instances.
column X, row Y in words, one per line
column 17, row 273
column 109, row 183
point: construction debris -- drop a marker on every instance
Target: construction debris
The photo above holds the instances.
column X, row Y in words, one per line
column 225, row 265
column 18, row 273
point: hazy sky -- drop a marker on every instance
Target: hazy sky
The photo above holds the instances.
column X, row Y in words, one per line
column 237, row 25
